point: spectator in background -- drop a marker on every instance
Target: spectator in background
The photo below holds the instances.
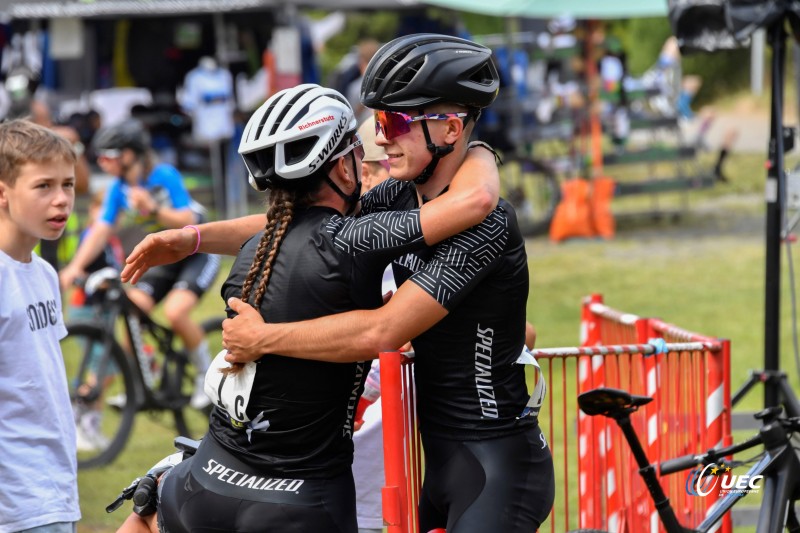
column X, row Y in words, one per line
column 368, row 437
column 365, row 50
column 375, row 165
column 148, row 197
column 112, row 256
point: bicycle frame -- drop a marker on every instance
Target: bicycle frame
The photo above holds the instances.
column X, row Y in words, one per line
column 780, row 466
column 116, row 304
column 780, row 469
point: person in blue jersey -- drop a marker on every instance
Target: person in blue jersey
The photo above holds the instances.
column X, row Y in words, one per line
column 278, row 453
column 148, row 196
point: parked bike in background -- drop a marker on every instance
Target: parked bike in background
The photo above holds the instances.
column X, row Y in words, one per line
column 110, row 381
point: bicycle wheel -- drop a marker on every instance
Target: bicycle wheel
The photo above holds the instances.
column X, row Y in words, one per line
column 191, row 422
column 531, row 187
column 97, row 373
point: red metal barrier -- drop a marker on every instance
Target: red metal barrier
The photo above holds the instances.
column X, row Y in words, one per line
column 402, row 450
column 689, row 391
column 598, row 485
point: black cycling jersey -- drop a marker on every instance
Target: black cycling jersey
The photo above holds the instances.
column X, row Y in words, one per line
column 301, row 411
column 466, row 374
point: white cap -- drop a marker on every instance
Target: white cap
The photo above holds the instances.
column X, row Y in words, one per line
column 372, row 152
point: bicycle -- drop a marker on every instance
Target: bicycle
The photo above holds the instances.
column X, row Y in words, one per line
column 109, row 384
column 778, row 467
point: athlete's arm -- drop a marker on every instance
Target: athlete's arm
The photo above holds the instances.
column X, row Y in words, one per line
column 344, row 337
column 91, row 246
column 458, row 265
column 530, row 335
column 168, row 217
column 169, row 246
column 472, row 195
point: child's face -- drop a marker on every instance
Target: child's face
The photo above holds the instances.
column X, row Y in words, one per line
column 41, row 199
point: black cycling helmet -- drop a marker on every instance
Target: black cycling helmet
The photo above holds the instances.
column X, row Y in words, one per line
column 128, row 134
column 426, row 68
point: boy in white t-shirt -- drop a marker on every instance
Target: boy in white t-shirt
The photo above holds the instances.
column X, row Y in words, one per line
column 39, row 471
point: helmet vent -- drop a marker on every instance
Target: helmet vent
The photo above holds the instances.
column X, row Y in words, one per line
column 264, row 118
column 299, row 150
column 286, row 106
column 482, row 76
column 406, row 76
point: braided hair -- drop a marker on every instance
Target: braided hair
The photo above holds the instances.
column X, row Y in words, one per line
column 282, row 203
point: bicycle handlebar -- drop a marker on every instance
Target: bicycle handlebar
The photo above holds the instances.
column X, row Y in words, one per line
column 670, row 466
column 143, row 490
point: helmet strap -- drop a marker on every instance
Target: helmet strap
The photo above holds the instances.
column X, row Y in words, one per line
column 437, row 151
column 350, row 199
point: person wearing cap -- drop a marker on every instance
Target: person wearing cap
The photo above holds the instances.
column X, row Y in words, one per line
column 462, row 302
column 368, row 438
column 278, row 453
column 375, row 166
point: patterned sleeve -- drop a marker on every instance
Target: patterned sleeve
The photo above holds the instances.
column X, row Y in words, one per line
column 382, row 196
column 398, row 231
column 463, row 260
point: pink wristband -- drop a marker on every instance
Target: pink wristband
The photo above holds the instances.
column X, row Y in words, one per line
column 196, row 230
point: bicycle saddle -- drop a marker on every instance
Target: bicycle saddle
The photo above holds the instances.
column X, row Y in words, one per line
column 606, row 401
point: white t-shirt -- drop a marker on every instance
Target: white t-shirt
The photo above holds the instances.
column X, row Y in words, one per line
column 208, row 97
column 368, row 446
column 38, row 461
column 368, row 468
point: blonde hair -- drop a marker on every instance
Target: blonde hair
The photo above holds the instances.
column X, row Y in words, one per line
column 22, row 142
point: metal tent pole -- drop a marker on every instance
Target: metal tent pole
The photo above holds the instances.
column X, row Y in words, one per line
column 775, row 192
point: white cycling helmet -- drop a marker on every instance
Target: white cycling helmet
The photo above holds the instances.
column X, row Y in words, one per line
column 294, row 133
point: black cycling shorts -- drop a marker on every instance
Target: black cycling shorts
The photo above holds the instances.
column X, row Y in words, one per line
column 195, row 273
column 212, row 491
column 503, row 484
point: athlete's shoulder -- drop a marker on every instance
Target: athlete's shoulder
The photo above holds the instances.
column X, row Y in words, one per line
column 391, row 194
column 164, row 172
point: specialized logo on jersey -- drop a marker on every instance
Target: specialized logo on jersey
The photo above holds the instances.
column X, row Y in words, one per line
column 379, row 231
column 412, row 262
column 352, row 402
column 224, row 474
column 459, row 259
column 42, row 315
column 483, row 372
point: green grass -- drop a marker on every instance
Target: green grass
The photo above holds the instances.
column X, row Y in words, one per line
column 704, row 273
